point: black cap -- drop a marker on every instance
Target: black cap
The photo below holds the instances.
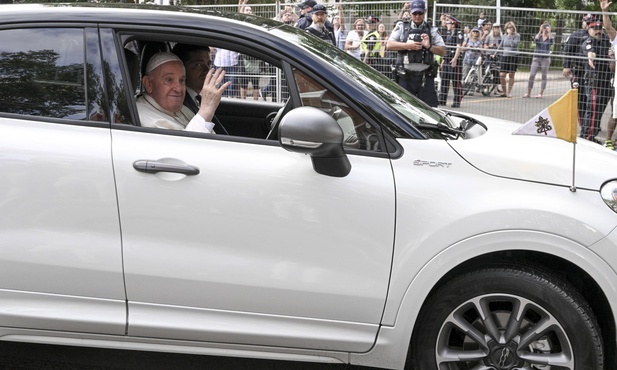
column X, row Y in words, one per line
column 307, row 4
column 319, row 8
column 454, row 20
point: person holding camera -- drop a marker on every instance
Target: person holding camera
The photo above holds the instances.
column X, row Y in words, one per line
column 417, row 43
column 541, row 59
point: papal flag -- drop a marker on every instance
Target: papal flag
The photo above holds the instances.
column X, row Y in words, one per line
column 558, row 120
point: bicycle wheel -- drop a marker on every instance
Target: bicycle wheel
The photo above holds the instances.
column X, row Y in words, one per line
column 470, row 82
column 487, row 84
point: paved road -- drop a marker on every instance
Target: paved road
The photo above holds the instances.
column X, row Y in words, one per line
column 517, row 108
column 23, row 356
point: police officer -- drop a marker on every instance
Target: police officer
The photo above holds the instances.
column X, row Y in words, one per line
column 451, row 63
column 306, row 16
column 417, row 43
column 318, row 24
column 597, row 79
column 573, row 68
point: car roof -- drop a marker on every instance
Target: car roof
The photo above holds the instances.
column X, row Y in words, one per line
column 126, row 13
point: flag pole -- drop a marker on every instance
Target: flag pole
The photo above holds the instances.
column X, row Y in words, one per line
column 573, row 187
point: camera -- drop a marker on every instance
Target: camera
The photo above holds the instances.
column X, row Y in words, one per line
column 416, row 37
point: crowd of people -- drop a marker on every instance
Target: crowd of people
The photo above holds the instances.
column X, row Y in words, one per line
column 413, row 54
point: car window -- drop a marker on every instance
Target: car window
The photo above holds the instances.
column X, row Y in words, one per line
column 358, row 133
column 257, row 92
column 44, row 73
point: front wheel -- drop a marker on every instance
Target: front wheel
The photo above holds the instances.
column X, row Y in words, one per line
column 506, row 318
column 487, row 85
column 470, row 83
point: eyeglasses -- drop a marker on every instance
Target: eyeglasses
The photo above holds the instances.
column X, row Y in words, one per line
column 417, row 13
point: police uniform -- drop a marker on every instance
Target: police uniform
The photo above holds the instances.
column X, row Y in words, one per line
column 448, row 72
column 324, row 34
column 416, row 70
column 305, row 22
column 597, row 85
column 570, row 49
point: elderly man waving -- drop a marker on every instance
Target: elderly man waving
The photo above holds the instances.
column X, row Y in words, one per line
column 161, row 105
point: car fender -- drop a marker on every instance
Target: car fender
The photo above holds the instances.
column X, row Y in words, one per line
column 393, row 341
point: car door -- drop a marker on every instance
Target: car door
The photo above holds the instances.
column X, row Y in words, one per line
column 255, row 247
column 60, row 256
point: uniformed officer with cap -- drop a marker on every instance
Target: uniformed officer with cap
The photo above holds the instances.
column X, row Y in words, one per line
column 451, row 63
column 573, row 67
column 597, row 79
column 306, row 17
column 417, row 43
column 318, row 25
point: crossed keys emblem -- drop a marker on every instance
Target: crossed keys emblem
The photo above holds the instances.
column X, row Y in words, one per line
column 543, row 126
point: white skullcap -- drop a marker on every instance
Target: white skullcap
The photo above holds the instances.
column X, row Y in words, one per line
column 160, row 59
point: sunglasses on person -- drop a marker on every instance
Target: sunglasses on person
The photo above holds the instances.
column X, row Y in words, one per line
column 417, row 13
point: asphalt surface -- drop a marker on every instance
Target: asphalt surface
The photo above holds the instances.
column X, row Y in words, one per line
column 25, row 356
column 517, row 108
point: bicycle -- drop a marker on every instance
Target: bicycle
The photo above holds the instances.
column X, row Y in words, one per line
column 491, row 79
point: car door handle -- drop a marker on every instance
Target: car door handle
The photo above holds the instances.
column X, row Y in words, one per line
column 147, row 166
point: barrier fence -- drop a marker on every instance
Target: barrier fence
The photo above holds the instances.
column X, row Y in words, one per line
column 527, row 21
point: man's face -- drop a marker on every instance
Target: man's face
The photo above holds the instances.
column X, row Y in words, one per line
column 248, row 10
column 417, row 17
column 305, row 10
column 594, row 31
column 319, row 19
column 197, row 67
column 166, row 84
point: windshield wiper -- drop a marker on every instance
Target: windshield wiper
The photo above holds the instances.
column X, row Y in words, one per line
column 441, row 127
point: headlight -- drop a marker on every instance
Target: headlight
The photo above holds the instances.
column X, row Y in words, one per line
column 609, row 194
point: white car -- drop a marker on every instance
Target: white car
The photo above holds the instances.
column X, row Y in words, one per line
column 340, row 220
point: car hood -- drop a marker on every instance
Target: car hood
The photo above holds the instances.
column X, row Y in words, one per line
column 536, row 158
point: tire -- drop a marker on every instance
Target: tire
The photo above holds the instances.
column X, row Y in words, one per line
column 557, row 329
column 487, row 85
column 470, row 82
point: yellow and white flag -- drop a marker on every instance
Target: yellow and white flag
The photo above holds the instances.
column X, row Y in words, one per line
column 558, row 120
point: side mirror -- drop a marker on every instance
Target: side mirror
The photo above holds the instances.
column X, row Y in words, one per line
column 312, row 131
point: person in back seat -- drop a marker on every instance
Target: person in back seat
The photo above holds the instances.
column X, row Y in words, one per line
column 196, row 59
column 161, row 104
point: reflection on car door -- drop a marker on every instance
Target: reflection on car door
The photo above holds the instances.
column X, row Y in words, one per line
column 60, row 252
column 257, row 248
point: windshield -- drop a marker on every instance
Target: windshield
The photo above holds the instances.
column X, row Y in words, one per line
column 412, row 109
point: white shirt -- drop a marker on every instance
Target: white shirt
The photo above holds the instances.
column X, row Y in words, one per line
column 151, row 114
column 355, row 42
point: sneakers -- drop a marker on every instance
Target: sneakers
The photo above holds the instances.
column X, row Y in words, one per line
column 456, row 105
column 609, row 144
